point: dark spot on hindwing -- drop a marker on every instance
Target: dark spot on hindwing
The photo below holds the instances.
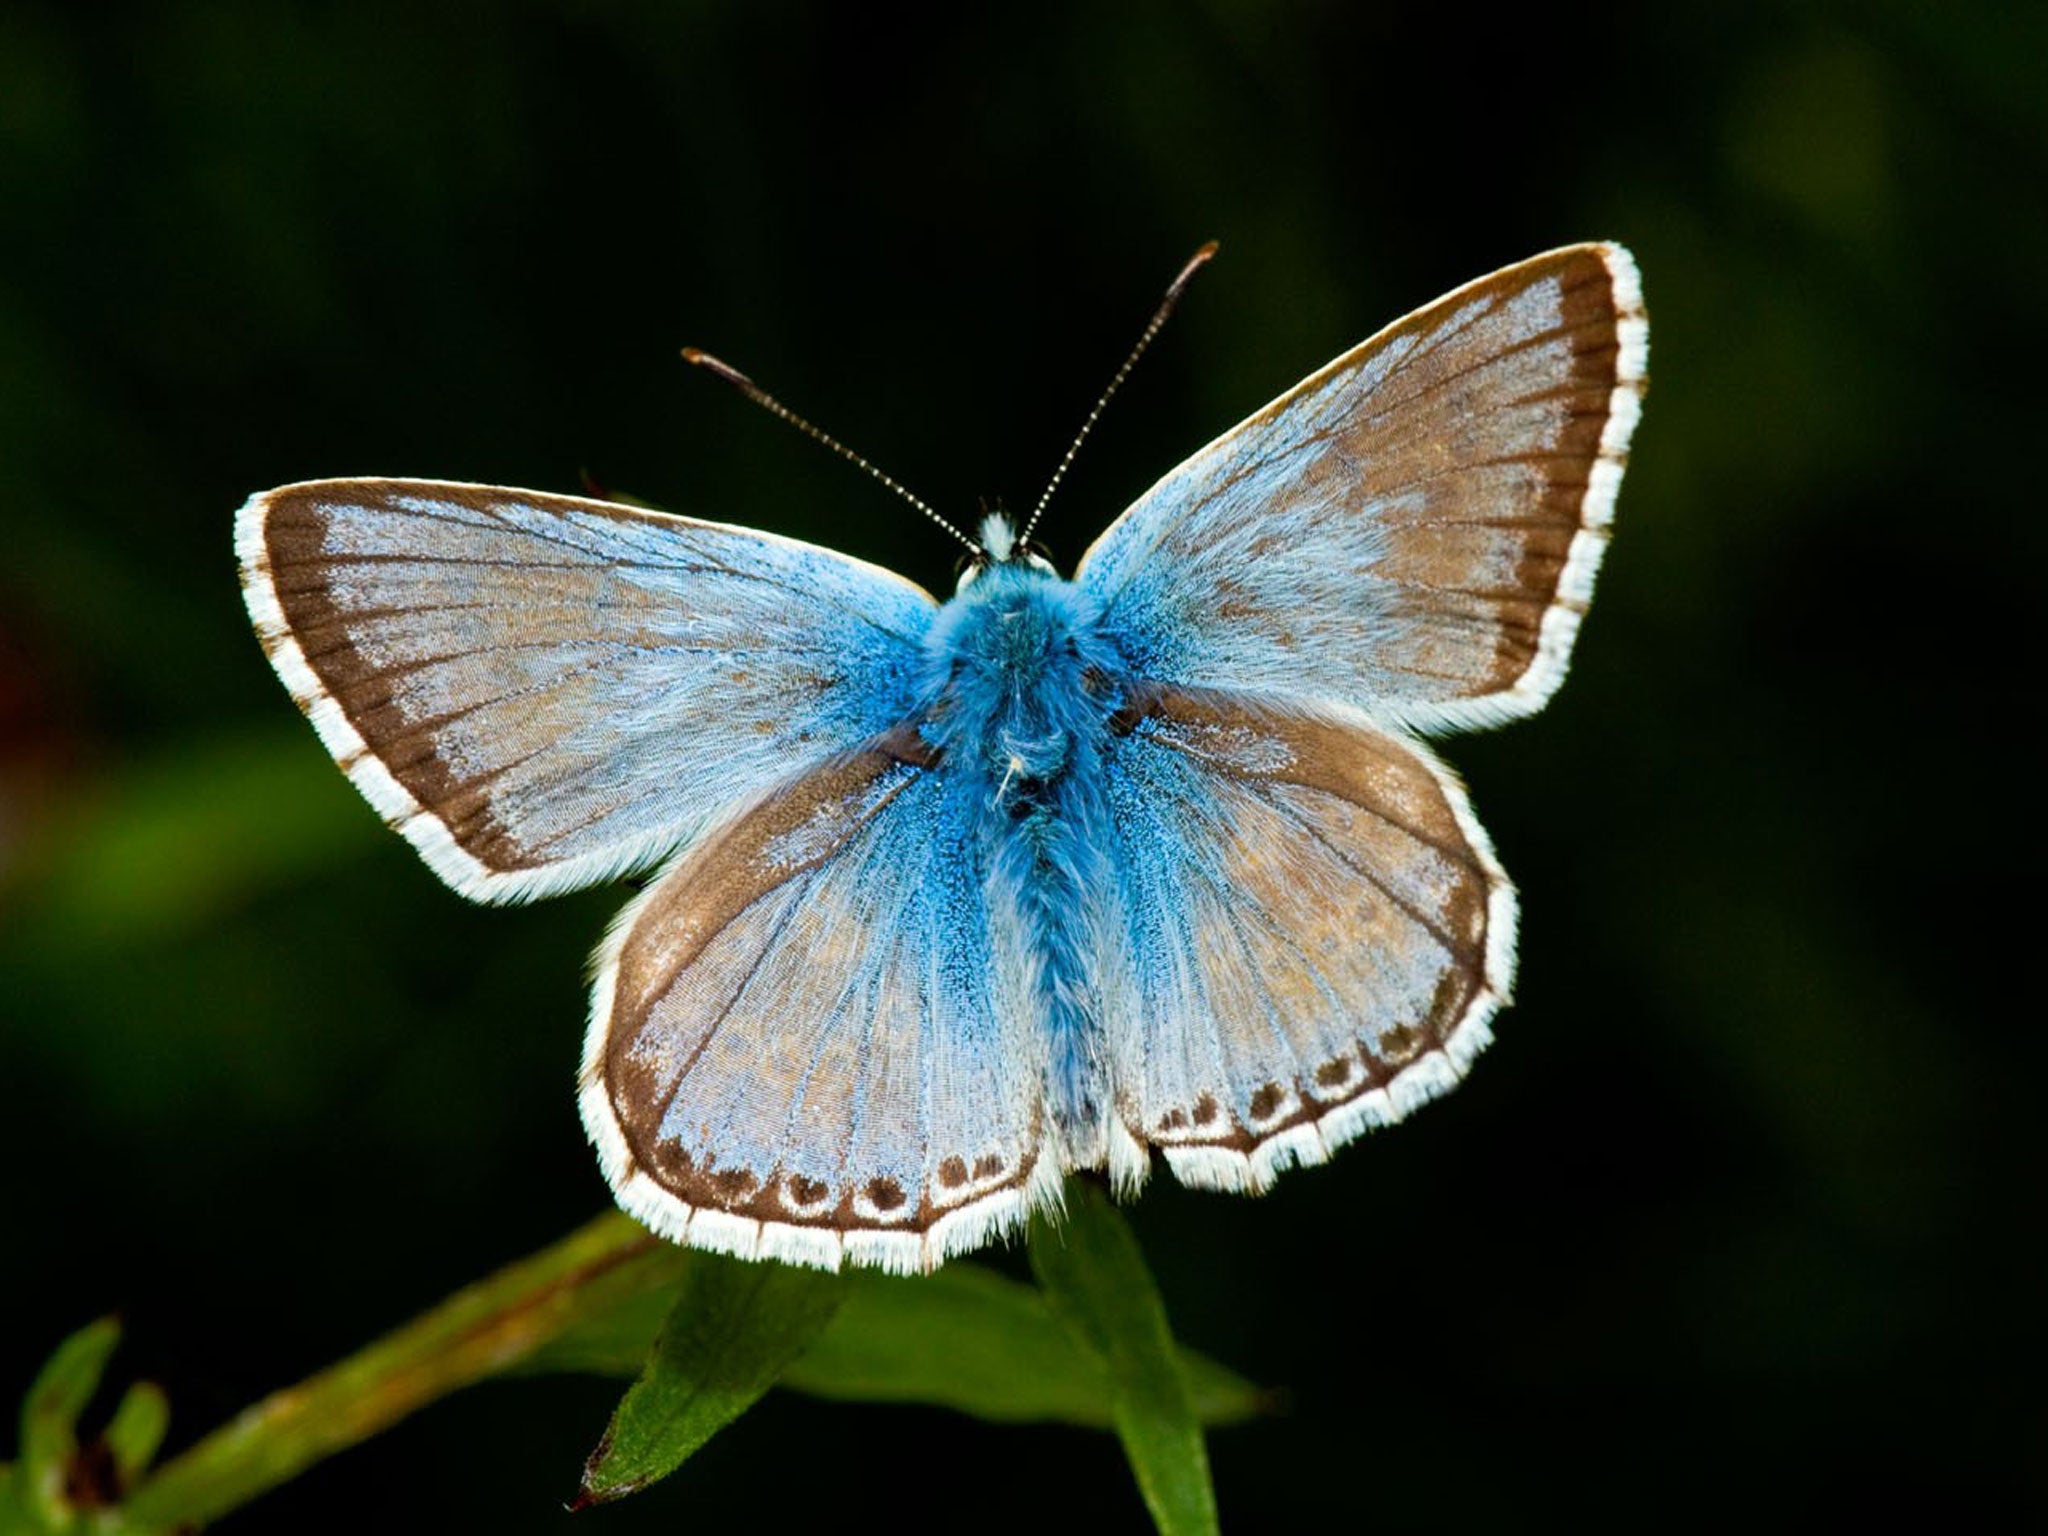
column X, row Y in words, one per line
column 1396, row 1045
column 953, row 1172
column 806, row 1191
column 733, row 1184
column 988, row 1165
column 1267, row 1098
column 1206, row 1110
column 884, row 1194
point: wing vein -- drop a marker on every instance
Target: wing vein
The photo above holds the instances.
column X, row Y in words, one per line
column 1444, row 940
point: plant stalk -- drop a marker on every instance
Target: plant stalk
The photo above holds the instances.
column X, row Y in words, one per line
column 480, row 1331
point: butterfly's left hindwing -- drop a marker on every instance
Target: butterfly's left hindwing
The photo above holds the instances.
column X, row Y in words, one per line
column 544, row 691
column 795, row 1049
column 1318, row 933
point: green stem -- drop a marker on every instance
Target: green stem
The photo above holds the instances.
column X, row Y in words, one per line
column 480, row 1331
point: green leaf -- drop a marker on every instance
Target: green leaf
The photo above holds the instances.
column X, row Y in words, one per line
column 49, row 1420
column 734, row 1329
column 611, row 1340
column 968, row 1339
column 1220, row 1395
column 1095, row 1278
column 14, row 1515
column 963, row 1338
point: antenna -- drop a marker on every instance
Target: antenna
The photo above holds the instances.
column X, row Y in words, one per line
column 773, row 406
column 1159, row 316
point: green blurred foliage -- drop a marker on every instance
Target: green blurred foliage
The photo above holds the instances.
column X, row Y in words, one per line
column 1740, row 1213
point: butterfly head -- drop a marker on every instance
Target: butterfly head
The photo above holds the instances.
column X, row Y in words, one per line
column 1001, row 546
column 998, row 538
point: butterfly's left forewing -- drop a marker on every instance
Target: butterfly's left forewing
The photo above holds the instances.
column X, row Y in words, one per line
column 1315, row 932
column 1414, row 529
column 796, row 1050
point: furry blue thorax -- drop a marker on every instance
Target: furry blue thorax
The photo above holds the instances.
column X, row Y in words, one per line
column 1010, row 664
column 1018, row 692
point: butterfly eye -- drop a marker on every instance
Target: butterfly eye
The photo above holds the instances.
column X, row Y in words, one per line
column 1035, row 553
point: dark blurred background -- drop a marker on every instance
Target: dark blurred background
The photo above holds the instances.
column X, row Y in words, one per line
column 1738, row 1221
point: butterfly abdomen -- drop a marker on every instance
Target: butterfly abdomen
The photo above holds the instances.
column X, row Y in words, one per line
column 1016, row 709
column 1040, row 878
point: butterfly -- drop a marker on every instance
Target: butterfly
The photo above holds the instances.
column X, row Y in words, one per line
column 956, row 898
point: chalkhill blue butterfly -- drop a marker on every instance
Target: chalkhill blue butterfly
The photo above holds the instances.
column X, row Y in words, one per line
column 958, row 897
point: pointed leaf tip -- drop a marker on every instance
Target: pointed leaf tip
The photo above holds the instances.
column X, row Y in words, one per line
column 736, row 1325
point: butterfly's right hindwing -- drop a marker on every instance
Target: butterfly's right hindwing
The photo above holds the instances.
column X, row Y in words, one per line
column 544, row 691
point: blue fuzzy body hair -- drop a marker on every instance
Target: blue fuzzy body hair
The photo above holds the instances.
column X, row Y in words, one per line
column 1018, row 695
